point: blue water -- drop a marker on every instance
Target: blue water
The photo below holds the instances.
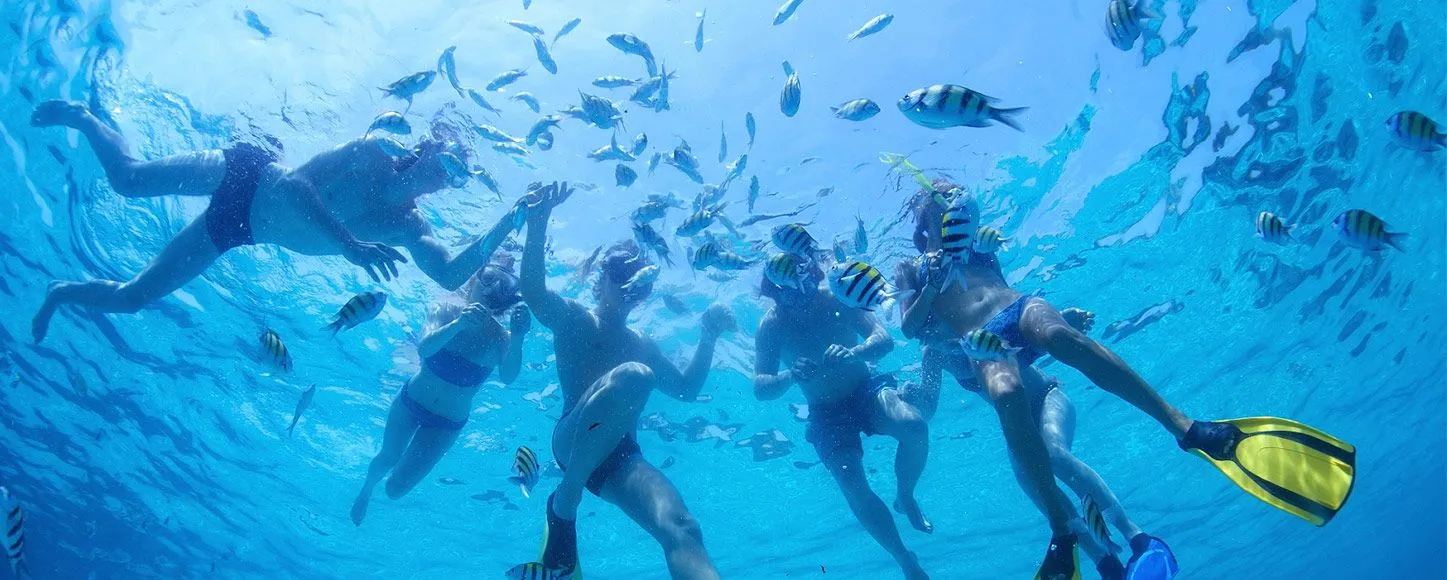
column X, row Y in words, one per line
column 152, row 446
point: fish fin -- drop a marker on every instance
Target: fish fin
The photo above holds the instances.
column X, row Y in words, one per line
column 1145, row 11
column 1392, row 239
column 335, row 327
column 1007, row 116
column 788, row 68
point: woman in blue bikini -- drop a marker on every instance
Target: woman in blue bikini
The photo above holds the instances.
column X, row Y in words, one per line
column 459, row 350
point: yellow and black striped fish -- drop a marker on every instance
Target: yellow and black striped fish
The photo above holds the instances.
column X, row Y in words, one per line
column 794, row 239
column 1272, row 228
column 989, row 240
column 525, row 463
column 698, row 222
column 859, row 285
column 785, row 271
column 712, row 254
column 536, row 571
column 14, row 532
column 945, row 106
column 359, row 309
column 1094, row 519
column 1416, row 131
column 959, row 224
column 981, row 344
column 1124, row 22
column 276, row 353
column 1361, row 229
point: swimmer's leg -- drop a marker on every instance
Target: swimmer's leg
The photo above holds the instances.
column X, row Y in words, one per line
column 651, row 500
column 925, row 397
column 1058, row 429
column 184, row 258
column 847, row 467
column 1022, row 436
column 1043, row 328
column 428, row 446
column 400, row 427
column 195, row 173
column 903, row 422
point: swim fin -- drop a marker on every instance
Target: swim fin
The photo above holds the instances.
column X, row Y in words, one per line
column 1151, row 559
column 560, row 546
column 1062, row 562
column 1293, row 467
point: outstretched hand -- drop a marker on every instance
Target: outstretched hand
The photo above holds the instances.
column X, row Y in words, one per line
column 374, row 258
column 547, row 197
column 717, row 320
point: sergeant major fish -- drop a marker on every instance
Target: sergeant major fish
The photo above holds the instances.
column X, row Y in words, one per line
column 981, row 344
column 525, row 464
column 410, row 85
column 860, row 285
column 856, row 110
column 1124, row 22
column 1272, row 228
column 14, row 533
column 358, row 309
column 1415, row 130
column 944, row 106
column 1360, row 229
column 275, row 350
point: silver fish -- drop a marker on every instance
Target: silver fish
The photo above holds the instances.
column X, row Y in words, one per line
column 735, row 169
column 750, row 127
column 492, row 133
column 482, row 102
column 391, row 122
column 542, row 126
column 487, row 181
column 301, row 407
column 753, row 192
column 786, row 11
column 723, row 143
column 631, row 44
column 567, row 28
column 545, row 58
column 874, row 25
column 944, row 106
column 393, row 148
column 447, row 65
column 790, row 96
column 662, row 104
column 599, row 111
column 856, row 110
column 410, row 85
column 506, row 78
column 510, row 148
column 698, row 35
column 610, row 153
column 651, row 239
column 613, row 82
column 526, row 27
column 625, row 175
column 545, row 140
column 653, row 163
column 528, row 99
column 861, row 237
column 639, row 144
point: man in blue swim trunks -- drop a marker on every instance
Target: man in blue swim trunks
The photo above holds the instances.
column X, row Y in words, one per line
column 607, row 372
column 821, row 339
column 324, row 207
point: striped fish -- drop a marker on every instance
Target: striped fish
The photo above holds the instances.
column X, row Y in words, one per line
column 945, row 106
column 1094, row 519
column 536, row 571
column 785, row 271
column 712, row 254
column 989, row 240
column 981, row 344
column 1272, row 228
column 644, row 277
column 390, row 122
column 789, row 97
column 276, row 352
column 1124, row 23
column 1416, row 131
column 359, row 309
column 859, row 285
column 958, row 226
column 697, row 223
column 794, row 239
column 14, row 532
column 1361, row 229
column 525, row 463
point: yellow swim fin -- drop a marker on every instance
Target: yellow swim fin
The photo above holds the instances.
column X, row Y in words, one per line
column 1062, row 560
column 1293, row 467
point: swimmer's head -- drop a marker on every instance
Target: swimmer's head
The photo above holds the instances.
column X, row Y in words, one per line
column 928, row 212
column 425, row 165
column 793, row 297
column 616, row 266
column 495, row 286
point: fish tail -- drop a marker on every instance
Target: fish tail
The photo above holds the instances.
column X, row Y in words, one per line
column 1393, row 239
column 1007, row 116
column 335, row 327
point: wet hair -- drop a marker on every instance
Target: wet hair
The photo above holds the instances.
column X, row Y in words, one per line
column 620, row 262
column 509, row 294
column 922, row 204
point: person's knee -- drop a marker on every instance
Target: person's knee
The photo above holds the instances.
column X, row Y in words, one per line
column 1066, row 340
column 127, row 299
column 681, row 530
column 1005, row 389
column 632, row 380
column 124, row 179
column 396, row 488
column 911, row 425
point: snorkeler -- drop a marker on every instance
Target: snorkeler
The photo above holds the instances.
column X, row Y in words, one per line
column 607, row 372
column 1290, row 466
column 463, row 342
column 1054, row 415
column 324, row 207
column 820, row 338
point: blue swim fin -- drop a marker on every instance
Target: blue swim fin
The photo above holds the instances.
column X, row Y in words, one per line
column 1151, row 559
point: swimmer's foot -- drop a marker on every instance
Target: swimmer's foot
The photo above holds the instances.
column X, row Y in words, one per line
column 560, row 542
column 912, row 570
column 910, row 508
column 40, row 325
column 64, row 113
column 1082, row 320
column 359, row 508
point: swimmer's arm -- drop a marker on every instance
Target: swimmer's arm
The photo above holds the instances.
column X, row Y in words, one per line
column 684, row 385
column 512, row 357
column 551, row 309
column 914, row 310
column 877, row 342
column 451, row 272
column 769, row 383
column 443, row 325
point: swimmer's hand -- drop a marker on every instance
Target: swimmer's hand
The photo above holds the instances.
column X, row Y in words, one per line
column 374, row 258
column 934, row 271
column 522, row 320
column 543, row 199
column 717, row 320
column 839, row 354
column 474, row 315
column 804, row 370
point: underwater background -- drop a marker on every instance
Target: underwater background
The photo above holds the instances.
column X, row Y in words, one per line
column 153, row 445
